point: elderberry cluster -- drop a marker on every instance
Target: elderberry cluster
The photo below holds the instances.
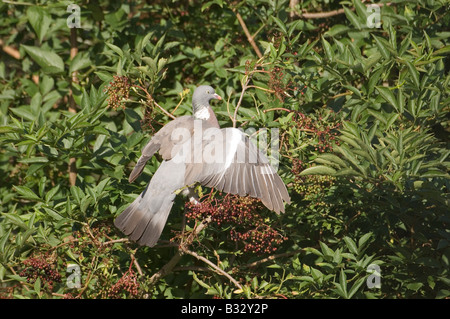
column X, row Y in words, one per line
column 41, row 267
column 243, row 215
column 118, row 91
column 311, row 187
column 324, row 132
column 127, row 284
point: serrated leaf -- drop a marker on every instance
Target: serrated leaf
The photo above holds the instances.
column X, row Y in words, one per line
column 414, row 74
column 443, row 50
column 53, row 214
column 351, row 245
column 382, row 47
column 353, row 18
column 26, row 192
column 79, row 62
column 341, row 287
column 333, row 158
column 363, row 240
column 40, row 20
column 318, row 170
column 48, row 60
column 9, row 129
column 355, row 287
column 280, row 24
column 388, row 96
column 51, row 193
column 37, row 285
column 16, row 220
column 327, row 251
column 327, row 48
column 34, row 160
column 115, row 48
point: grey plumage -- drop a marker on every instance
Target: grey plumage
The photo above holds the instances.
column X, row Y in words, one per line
column 236, row 167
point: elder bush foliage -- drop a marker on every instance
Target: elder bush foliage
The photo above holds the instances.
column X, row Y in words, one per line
column 362, row 112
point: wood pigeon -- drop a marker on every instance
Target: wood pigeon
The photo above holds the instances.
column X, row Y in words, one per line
column 195, row 150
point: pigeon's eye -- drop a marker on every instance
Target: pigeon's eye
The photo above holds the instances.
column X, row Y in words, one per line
column 207, row 91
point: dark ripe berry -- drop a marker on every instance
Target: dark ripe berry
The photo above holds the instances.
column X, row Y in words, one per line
column 127, row 284
column 322, row 133
column 41, row 266
column 243, row 214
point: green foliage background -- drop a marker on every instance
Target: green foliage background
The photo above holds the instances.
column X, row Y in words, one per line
column 364, row 125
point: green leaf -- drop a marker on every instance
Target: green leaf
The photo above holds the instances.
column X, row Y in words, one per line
column 79, row 62
column 9, row 129
column 327, row 48
column 443, row 50
column 34, row 160
column 40, row 20
column 351, row 245
column 16, row 220
column 363, row 240
column 414, row 74
column 318, row 170
column 353, row 18
column 383, row 46
column 51, row 193
column 49, row 61
column 361, row 9
column 327, row 251
column 280, row 24
column 26, row 192
column 341, row 287
column 388, row 96
column 37, row 286
column 53, row 214
column 115, row 48
column 414, row 286
column 355, row 287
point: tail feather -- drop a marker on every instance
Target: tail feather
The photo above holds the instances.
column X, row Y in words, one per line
column 144, row 220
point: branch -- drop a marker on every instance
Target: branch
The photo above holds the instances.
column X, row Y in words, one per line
column 247, row 33
column 244, row 88
column 72, row 104
column 167, row 268
column 215, row 267
column 264, row 260
column 152, row 100
column 327, row 14
column 10, row 50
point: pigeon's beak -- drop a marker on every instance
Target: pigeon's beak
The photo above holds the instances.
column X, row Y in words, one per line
column 217, row 96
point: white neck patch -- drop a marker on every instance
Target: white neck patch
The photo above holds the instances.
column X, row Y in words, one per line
column 202, row 114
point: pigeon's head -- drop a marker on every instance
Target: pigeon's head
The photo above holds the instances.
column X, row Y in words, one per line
column 202, row 95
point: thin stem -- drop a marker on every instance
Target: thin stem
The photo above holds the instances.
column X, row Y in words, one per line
column 214, row 266
column 152, row 100
column 247, row 33
column 168, row 268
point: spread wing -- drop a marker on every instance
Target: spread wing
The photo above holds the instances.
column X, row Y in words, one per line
column 167, row 141
column 233, row 164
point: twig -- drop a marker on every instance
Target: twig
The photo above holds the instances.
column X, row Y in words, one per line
column 277, row 109
column 215, row 267
column 327, row 14
column 152, row 100
column 264, row 260
column 88, row 278
column 244, row 88
column 10, row 50
column 167, row 268
column 72, row 104
column 121, row 240
column 136, row 264
column 247, row 33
